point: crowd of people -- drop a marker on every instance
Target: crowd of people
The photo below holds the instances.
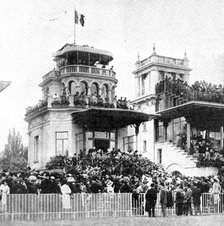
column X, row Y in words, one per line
column 80, row 99
column 99, row 101
column 200, row 90
column 208, row 155
column 113, row 172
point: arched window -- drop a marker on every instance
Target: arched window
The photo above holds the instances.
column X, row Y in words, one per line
column 72, row 87
column 95, row 89
column 84, row 88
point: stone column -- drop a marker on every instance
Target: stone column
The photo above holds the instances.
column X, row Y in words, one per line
column 136, row 86
column 137, row 136
column 71, row 100
column 116, row 139
column 154, row 75
column 140, row 85
column 100, row 91
column 165, row 125
column 221, row 137
column 89, row 91
column 188, row 136
column 84, row 141
column 110, row 95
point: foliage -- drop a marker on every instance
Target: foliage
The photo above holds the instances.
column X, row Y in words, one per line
column 15, row 154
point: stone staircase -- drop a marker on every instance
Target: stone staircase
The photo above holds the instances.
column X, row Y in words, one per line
column 176, row 159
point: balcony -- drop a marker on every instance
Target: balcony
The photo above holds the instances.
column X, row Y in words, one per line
column 51, row 74
column 162, row 60
column 87, row 70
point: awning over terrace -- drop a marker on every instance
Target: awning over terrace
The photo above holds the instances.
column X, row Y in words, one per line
column 3, row 85
column 201, row 115
column 108, row 119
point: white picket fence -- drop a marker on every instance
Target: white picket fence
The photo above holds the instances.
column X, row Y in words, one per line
column 23, row 207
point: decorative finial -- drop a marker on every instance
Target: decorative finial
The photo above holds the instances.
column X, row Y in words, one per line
column 185, row 54
column 138, row 57
column 154, row 48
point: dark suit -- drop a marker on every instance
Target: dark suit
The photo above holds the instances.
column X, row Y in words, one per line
column 151, row 197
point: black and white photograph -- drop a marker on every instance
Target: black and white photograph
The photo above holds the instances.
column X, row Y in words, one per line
column 111, row 112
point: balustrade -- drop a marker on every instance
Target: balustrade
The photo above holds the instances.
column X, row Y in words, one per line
column 88, row 70
column 163, row 60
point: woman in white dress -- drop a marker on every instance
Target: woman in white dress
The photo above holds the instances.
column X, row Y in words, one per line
column 4, row 191
column 66, row 192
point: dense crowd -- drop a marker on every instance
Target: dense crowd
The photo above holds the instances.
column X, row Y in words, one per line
column 111, row 172
column 200, row 90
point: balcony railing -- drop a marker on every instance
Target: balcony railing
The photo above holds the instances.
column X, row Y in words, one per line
column 51, row 74
column 87, row 70
column 163, row 60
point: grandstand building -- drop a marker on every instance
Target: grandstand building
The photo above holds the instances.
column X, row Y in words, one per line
column 165, row 122
column 185, row 115
column 79, row 109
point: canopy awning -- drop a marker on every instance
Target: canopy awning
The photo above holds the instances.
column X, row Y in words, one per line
column 3, row 85
column 105, row 119
column 74, row 48
column 202, row 115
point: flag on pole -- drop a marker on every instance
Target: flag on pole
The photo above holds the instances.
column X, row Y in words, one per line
column 79, row 18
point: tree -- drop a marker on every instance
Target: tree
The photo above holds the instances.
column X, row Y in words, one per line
column 15, row 154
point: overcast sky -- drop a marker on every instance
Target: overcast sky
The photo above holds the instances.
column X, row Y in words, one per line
column 32, row 30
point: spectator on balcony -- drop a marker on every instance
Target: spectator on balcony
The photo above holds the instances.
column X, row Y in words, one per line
column 76, row 98
column 115, row 101
column 100, row 101
column 93, row 99
column 55, row 97
column 82, row 99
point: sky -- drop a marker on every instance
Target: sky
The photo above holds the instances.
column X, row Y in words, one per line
column 32, row 30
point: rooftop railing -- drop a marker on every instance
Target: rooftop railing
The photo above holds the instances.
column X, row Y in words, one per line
column 52, row 74
column 163, row 60
column 87, row 70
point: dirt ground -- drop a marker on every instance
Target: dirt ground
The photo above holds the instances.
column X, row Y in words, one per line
column 209, row 220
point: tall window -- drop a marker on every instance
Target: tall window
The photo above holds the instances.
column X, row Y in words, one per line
column 129, row 143
column 36, row 148
column 159, row 131
column 159, row 156
column 79, row 142
column 61, row 142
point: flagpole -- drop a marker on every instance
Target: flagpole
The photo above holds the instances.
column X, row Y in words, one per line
column 74, row 26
